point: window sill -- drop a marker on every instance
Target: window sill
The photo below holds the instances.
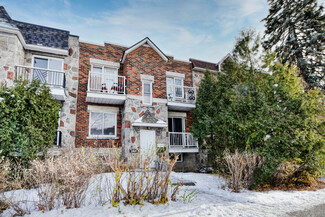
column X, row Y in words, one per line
column 102, row 137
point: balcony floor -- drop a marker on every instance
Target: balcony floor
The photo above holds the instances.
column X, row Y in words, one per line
column 104, row 98
column 183, row 150
column 180, row 106
column 58, row 93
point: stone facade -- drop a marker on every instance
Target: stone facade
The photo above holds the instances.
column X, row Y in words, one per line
column 134, row 110
column 11, row 54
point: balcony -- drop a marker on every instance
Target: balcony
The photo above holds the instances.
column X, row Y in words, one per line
column 182, row 142
column 106, row 89
column 52, row 78
column 181, row 98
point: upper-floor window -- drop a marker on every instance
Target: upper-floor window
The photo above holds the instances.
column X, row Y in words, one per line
column 175, row 88
column 147, row 92
column 53, row 70
column 105, row 79
column 102, row 124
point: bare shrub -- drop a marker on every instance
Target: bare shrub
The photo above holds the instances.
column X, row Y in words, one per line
column 136, row 181
column 241, row 166
column 64, row 179
column 4, row 171
column 293, row 172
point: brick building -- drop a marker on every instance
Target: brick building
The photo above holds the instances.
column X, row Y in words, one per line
column 135, row 98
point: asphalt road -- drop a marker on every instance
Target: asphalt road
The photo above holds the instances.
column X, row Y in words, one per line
column 316, row 211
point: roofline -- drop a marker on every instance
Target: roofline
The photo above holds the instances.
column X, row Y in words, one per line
column 204, row 69
column 42, row 26
column 202, row 61
column 32, row 46
column 141, row 42
column 225, row 57
column 121, row 45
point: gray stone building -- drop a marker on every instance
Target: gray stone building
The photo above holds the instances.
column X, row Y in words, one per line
column 47, row 54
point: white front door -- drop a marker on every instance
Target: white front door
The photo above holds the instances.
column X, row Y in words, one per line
column 148, row 145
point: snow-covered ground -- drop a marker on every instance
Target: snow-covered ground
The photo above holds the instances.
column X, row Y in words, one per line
column 212, row 199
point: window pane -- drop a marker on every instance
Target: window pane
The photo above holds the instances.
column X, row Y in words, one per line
column 109, row 124
column 178, row 124
column 110, row 79
column 96, row 123
column 97, row 69
column 179, row 92
column 147, row 88
column 179, row 82
column 38, row 73
column 55, row 64
column 146, row 93
column 40, row 63
column 110, row 71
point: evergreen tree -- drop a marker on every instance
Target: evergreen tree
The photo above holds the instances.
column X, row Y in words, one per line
column 295, row 30
column 268, row 113
column 29, row 120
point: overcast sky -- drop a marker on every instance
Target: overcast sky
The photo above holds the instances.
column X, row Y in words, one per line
column 201, row 29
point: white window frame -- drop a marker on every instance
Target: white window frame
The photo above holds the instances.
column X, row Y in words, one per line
column 150, row 83
column 183, row 124
column 180, row 158
column 48, row 62
column 102, row 136
column 102, row 74
column 179, row 86
column 174, row 97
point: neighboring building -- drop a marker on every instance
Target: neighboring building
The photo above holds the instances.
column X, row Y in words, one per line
column 136, row 98
column 50, row 55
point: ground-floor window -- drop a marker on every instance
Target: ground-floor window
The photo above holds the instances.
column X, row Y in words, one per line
column 102, row 124
column 180, row 157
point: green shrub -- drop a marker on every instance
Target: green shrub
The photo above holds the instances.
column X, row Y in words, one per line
column 246, row 108
column 29, row 120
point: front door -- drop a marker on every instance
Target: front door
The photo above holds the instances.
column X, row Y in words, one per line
column 148, row 145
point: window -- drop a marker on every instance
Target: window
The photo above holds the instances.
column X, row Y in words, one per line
column 53, row 75
column 176, row 124
column 175, row 89
column 147, row 92
column 105, row 79
column 102, row 124
column 180, row 157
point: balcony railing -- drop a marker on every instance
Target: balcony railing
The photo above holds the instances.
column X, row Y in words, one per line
column 181, row 94
column 49, row 77
column 182, row 140
column 110, row 84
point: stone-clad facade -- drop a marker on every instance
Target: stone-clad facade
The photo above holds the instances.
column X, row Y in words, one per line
column 18, row 52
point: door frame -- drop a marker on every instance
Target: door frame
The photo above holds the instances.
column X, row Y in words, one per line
column 154, row 146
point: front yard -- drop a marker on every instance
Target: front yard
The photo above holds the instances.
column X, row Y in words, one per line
column 210, row 198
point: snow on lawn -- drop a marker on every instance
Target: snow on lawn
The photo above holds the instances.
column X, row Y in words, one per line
column 211, row 199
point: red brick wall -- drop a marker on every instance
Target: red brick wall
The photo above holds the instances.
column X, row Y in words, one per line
column 108, row 52
column 143, row 60
column 188, row 121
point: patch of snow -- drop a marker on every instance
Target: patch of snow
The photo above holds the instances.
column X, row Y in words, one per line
column 213, row 198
